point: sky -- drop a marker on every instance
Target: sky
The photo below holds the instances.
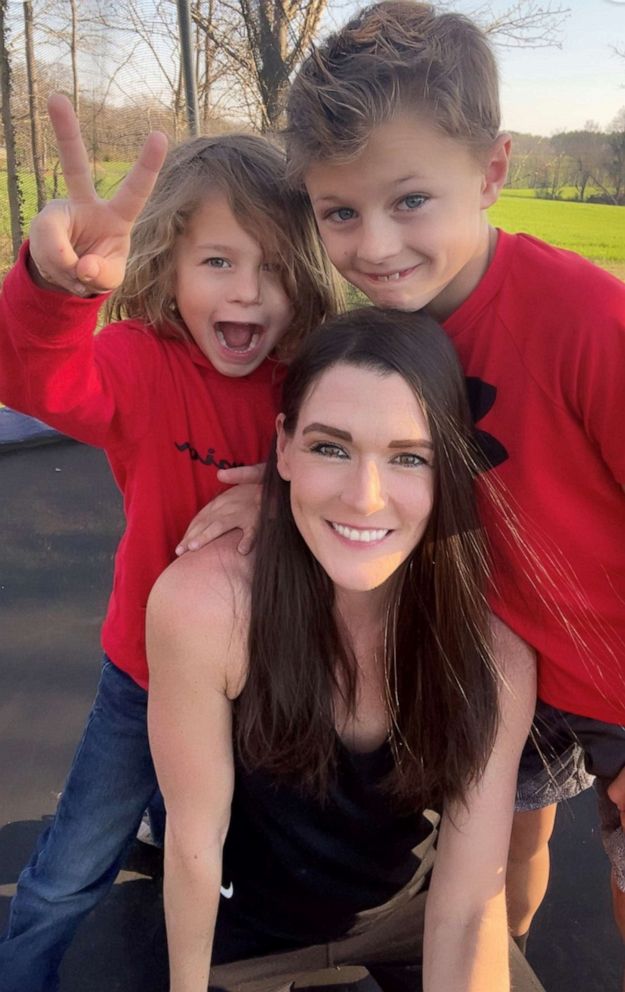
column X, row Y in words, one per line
column 546, row 90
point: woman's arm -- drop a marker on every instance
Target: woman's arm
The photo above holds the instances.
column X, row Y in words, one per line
column 466, row 935
column 193, row 648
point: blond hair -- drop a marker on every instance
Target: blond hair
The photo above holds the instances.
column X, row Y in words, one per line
column 392, row 57
column 250, row 172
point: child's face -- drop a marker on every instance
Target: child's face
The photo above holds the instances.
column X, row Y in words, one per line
column 405, row 221
column 228, row 293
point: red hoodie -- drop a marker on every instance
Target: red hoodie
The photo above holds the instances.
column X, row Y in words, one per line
column 164, row 416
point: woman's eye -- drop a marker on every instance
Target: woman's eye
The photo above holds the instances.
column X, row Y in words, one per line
column 412, row 202
column 342, row 214
column 329, row 450
column 409, row 460
column 217, row 263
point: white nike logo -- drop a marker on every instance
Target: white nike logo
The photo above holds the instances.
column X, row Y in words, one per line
column 228, row 892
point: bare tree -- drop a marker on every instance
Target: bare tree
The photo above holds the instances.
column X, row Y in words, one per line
column 616, row 166
column 73, row 49
column 33, row 106
column 275, row 36
column 585, row 154
column 523, row 23
column 13, row 187
column 149, row 34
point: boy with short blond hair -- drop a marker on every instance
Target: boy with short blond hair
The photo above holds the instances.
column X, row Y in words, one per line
column 393, row 128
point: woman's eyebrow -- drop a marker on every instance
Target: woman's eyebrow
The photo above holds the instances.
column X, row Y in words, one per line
column 318, row 428
column 414, row 443
column 326, row 429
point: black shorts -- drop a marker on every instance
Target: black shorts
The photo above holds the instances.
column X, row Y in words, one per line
column 565, row 755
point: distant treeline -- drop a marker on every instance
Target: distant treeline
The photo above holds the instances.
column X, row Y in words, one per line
column 588, row 165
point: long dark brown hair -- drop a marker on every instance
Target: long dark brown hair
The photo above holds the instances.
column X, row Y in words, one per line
column 441, row 684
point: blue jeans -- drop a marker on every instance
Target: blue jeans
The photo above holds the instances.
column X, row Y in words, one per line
column 110, row 784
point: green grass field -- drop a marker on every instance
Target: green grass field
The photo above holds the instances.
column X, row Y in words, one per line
column 593, row 230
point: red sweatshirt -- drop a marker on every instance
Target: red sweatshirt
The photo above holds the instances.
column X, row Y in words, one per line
column 542, row 342
column 164, row 416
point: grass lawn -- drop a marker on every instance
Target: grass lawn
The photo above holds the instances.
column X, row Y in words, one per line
column 592, row 229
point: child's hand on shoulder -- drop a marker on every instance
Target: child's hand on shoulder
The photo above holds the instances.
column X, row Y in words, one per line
column 81, row 244
column 236, row 508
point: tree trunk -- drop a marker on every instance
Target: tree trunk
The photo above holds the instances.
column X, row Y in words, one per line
column 273, row 50
column 13, row 187
column 33, row 105
column 74, row 56
column 207, row 70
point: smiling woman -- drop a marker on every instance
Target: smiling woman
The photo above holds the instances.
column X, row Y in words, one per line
column 359, row 487
column 313, row 711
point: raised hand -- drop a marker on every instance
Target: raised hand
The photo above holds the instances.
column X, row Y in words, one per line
column 81, row 244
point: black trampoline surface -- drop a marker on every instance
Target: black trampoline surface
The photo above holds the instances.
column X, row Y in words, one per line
column 18, row 431
column 61, row 521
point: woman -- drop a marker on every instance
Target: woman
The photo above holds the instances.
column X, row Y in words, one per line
column 315, row 704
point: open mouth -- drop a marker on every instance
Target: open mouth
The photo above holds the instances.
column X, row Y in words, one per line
column 363, row 535
column 238, row 337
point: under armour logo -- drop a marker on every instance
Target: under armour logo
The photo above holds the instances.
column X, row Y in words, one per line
column 482, row 397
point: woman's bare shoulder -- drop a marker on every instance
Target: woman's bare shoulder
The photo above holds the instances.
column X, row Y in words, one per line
column 198, row 610
column 215, row 575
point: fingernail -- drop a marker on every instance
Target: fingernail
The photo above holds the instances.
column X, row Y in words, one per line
column 179, row 549
column 193, row 545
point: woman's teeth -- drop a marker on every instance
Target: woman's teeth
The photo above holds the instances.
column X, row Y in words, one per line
column 366, row 536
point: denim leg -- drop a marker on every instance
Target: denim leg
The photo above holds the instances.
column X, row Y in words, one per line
column 110, row 783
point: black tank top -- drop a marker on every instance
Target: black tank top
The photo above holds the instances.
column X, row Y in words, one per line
column 301, row 870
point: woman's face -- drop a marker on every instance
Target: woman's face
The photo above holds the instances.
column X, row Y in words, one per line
column 361, row 468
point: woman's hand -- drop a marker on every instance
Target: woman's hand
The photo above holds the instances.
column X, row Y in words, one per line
column 81, row 244
column 236, row 508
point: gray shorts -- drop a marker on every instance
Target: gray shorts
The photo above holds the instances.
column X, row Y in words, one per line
column 562, row 757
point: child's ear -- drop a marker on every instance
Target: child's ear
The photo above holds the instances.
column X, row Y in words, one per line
column 495, row 169
column 282, row 449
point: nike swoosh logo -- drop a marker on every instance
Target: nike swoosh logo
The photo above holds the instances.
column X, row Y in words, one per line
column 228, row 892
